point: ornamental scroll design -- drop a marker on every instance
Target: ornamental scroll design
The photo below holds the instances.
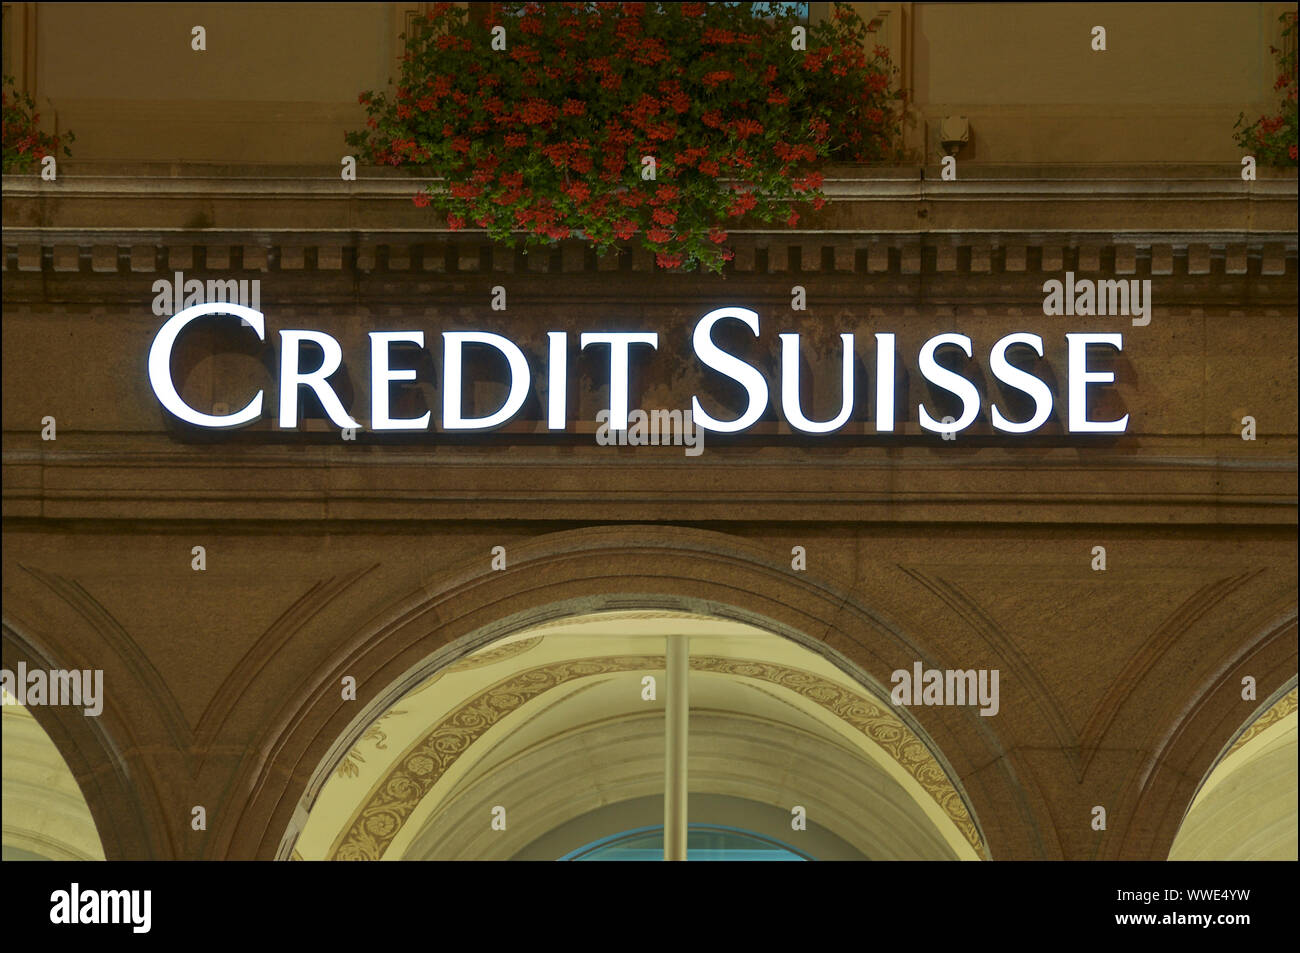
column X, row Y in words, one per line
column 348, row 767
column 879, row 724
column 374, row 827
column 1280, row 709
column 396, row 797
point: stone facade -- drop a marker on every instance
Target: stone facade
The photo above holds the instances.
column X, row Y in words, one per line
column 368, row 557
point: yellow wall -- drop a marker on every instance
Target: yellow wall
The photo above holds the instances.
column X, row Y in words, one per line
column 278, row 82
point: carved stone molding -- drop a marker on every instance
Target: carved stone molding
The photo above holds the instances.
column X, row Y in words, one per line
column 828, row 254
column 394, row 798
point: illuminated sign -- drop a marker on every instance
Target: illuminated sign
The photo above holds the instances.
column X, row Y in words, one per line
column 623, row 347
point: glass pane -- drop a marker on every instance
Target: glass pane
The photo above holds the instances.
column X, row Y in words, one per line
column 703, row 842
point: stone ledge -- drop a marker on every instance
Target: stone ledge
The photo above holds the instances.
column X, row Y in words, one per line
column 756, row 254
column 134, row 206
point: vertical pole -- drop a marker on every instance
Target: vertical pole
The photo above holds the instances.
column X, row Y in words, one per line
column 676, row 714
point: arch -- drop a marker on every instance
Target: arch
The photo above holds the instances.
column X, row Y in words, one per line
column 45, row 814
column 118, row 828
column 571, row 572
column 605, row 561
column 1185, row 754
column 1245, row 808
column 761, row 724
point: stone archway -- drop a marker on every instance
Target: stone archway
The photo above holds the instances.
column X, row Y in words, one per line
column 1245, row 806
column 600, row 569
column 1186, row 752
column 83, row 752
column 772, row 723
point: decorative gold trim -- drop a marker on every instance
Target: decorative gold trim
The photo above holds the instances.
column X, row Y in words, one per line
column 374, row 826
column 491, row 656
column 879, row 724
column 1279, row 710
column 348, row 766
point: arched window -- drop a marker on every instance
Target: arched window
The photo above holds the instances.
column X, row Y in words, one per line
column 703, row 842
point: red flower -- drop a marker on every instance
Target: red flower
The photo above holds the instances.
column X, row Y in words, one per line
column 659, row 235
column 421, row 199
column 455, row 222
column 744, row 202
column 537, row 111
column 664, row 216
column 1292, row 153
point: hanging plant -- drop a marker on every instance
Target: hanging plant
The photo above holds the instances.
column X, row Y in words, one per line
column 665, row 124
column 24, row 143
column 1273, row 139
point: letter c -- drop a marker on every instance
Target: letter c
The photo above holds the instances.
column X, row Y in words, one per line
column 160, row 366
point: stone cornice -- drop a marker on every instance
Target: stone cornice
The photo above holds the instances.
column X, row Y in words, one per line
column 270, row 204
column 1191, row 220
column 431, row 255
column 1175, row 482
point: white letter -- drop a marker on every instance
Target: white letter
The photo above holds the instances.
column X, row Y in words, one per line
column 718, row 359
column 380, row 375
column 942, row 377
column 160, row 366
column 557, row 384
column 290, row 378
column 1022, row 381
column 519, row 377
column 884, row 383
column 1080, row 377
column 790, row 386
column 618, row 342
